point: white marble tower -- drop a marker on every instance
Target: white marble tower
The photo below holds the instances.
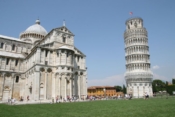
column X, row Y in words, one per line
column 138, row 75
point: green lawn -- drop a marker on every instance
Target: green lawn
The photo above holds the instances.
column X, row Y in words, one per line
column 107, row 108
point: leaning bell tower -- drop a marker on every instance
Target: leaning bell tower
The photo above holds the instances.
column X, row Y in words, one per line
column 138, row 75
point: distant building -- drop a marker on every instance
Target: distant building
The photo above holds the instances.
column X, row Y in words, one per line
column 138, row 75
column 103, row 91
column 41, row 65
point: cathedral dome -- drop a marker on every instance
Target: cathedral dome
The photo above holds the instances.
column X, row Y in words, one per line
column 33, row 33
column 36, row 28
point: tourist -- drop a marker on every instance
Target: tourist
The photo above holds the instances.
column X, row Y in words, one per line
column 21, row 98
column 118, row 96
column 126, row 96
column 57, row 99
column 13, row 101
column 27, row 98
column 9, row 100
column 52, row 100
column 146, row 95
column 130, row 96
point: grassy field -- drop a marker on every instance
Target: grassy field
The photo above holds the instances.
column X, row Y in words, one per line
column 107, row 108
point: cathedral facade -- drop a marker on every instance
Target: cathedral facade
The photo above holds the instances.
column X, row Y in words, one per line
column 41, row 65
column 138, row 75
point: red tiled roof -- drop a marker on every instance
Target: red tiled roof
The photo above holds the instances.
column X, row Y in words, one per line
column 99, row 87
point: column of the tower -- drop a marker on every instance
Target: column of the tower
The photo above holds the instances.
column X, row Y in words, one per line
column 138, row 75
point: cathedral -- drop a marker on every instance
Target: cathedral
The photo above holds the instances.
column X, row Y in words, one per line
column 41, row 66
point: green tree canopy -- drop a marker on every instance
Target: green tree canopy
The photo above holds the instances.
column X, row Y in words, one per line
column 124, row 89
column 158, row 85
column 118, row 88
column 173, row 81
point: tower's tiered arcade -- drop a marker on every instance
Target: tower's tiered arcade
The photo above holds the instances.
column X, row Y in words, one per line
column 138, row 75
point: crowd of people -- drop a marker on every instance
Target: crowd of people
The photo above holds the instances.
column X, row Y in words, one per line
column 60, row 99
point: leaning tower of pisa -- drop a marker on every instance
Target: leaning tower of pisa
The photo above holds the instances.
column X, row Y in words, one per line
column 138, row 75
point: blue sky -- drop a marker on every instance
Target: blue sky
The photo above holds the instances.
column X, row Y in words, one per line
column 98, row 27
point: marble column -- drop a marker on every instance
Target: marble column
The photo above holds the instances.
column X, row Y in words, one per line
column 38, row 55
column 79, row 87
column 44, row 57
column 48, row 57
column 65, row 57
column 56, row 91
column 12, row 85
column 54, row 58
column 37, row 85
column 73, row 86
column 53, row 85
column 45, row 87
column 6, row 90
column 59, row 88
column 1, row 85
column 70, row 89
column 65, row 95
column 59, row 58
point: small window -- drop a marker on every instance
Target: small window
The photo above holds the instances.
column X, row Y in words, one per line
column 2, row 45
column 128, row 27
column 30, row 89
column 16, row 62
column 64, row 39
column 135, row 24
column 78, row 58
column 7, row 61
column 13, row 47
column 46, row 53
column 17, row 79
column 46, row 62
column 57, row 54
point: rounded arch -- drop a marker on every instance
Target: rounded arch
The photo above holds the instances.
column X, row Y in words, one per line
column 7, row 74
column 41, row 85
column 49, row 70
column 81, row 73
column 36, row 42
column 17, row 79
column 76, row 73
column 42, row 69
column 28, row 40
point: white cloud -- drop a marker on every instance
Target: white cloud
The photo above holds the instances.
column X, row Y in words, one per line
column 163, row 78
column 109, row 81
column 119, row 80
column 156, row 67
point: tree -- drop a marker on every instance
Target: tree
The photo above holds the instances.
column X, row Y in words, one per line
column 124, row 89
column 166, row 85
column 158, row 85
column 173, row 81
column 118, row 88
